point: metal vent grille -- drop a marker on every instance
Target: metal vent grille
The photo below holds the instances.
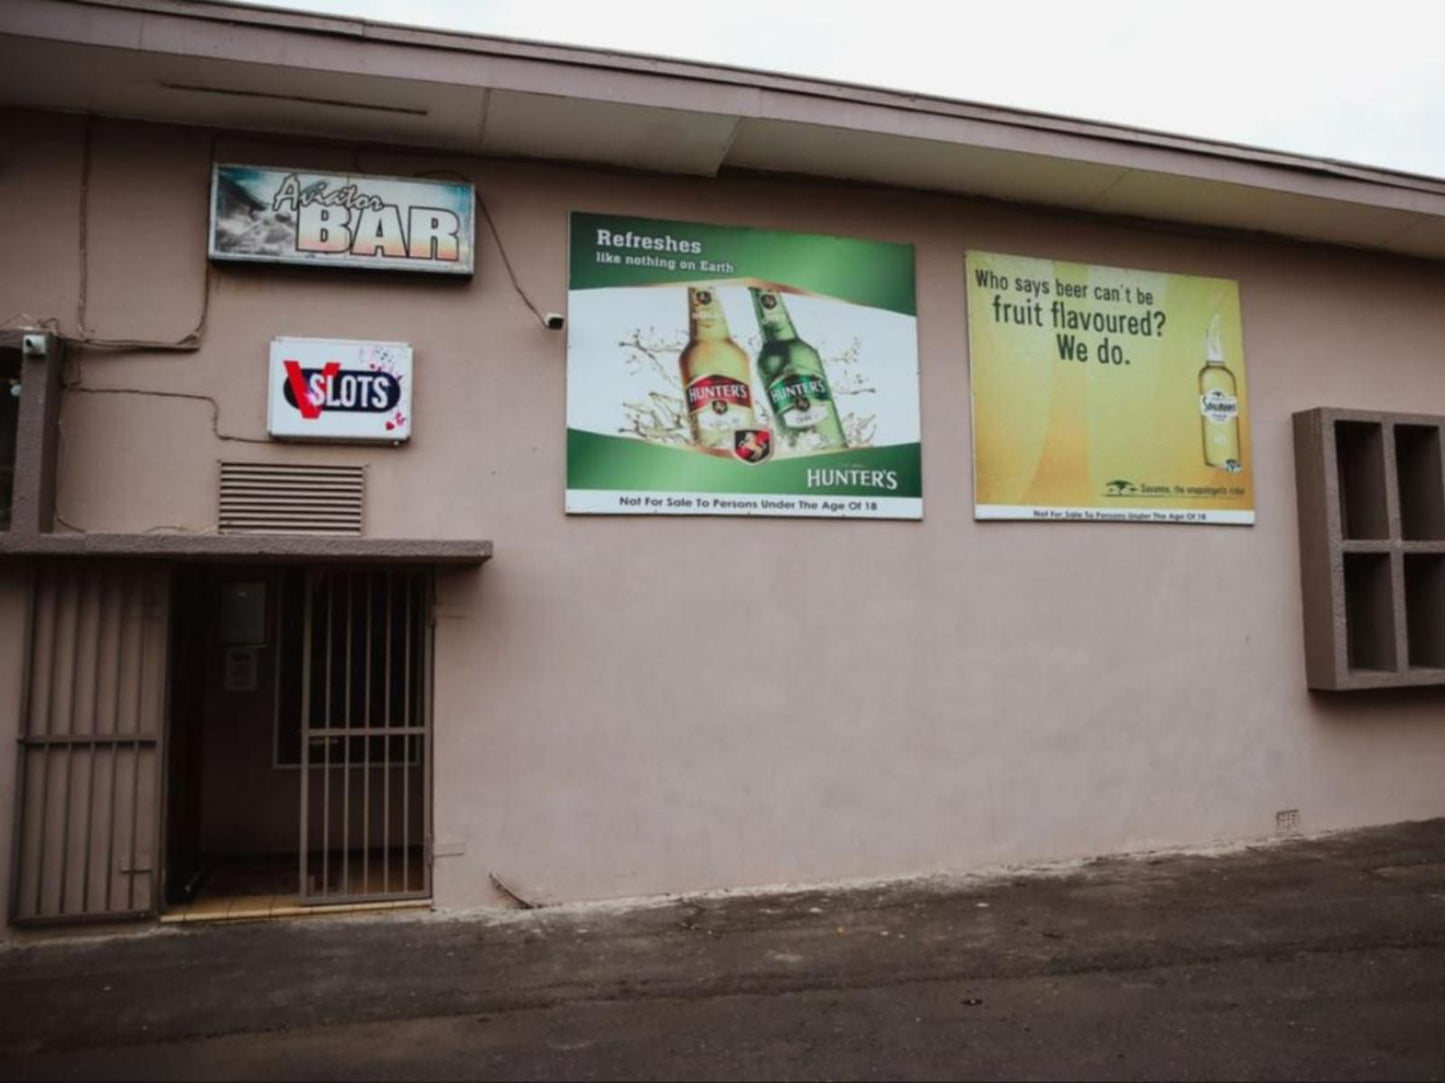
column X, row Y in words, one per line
column 266, row 498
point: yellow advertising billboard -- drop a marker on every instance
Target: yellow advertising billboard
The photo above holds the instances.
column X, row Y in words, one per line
column 1106, row 394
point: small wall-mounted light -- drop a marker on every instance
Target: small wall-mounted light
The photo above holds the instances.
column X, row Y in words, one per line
column 33, row 346
column 554, row 321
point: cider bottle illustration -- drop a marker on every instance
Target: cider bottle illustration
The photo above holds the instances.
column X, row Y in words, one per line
column 792, row 373
column 714, row 375
column 1218, row 405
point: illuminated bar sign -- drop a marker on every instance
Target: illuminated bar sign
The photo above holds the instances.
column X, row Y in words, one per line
column 340, row 390
column 266, row 215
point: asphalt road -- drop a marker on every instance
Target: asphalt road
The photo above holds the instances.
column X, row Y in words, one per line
column 1317, row 958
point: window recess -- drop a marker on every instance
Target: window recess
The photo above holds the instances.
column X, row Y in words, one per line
column 1371, row 499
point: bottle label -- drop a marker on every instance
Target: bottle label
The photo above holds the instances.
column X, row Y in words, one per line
column 800, row 401
column 773, row 317
column 718, row 404
column 1218, row 406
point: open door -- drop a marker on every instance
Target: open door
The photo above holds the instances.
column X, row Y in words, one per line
column 93, row 713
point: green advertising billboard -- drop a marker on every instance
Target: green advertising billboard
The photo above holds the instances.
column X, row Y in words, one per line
column 715, row 370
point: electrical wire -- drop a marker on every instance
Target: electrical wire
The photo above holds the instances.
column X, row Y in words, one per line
column 496, row 236
column 84, row 337
column 502, row 251
column 215, row 406
column 60, row 518
column 86, row 340
column 25, row 321
column 192, row 340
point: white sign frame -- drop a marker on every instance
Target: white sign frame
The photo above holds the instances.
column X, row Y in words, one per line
column 350, row 407
column 263, row 219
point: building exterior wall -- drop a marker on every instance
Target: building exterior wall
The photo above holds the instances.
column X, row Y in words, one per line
column 13, row 627
column 610, row 719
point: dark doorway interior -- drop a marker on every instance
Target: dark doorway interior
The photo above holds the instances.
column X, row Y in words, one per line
column 299, row 759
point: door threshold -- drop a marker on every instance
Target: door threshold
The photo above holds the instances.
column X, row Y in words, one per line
column 273, row 907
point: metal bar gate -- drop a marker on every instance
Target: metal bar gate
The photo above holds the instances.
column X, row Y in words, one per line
column 365, row 727
column 93, row 707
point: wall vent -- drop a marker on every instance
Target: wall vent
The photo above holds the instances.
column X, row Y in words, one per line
column 268, row 498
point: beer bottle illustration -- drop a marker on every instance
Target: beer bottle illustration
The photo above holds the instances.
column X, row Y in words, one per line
column 792, row 373
column 714, row 375
column 1218, row 405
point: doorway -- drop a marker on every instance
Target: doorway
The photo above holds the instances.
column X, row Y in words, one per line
column 299, row 760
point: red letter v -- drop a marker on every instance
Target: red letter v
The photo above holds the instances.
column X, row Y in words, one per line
column 297, row 379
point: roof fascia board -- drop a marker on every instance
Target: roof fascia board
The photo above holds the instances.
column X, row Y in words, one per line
column 1093, row 150
column 286, row 38
column 195, row 33
column 717, row 74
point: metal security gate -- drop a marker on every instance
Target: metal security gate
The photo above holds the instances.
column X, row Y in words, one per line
column 88, row 800
column 365, row 702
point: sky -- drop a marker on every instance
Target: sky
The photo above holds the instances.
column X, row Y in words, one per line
column 1362, row 83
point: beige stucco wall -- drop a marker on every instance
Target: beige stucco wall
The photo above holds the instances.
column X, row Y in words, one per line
column 949, row 694
column 13, row 597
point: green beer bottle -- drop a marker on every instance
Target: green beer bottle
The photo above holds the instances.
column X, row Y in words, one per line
column 792, row 375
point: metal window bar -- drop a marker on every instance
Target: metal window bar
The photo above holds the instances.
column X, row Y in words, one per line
column 87, row 620
column 366, row 742
column 326, row 741
column 386, row 751
column 406, row 747
column 366, row 636
column 346, row 744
